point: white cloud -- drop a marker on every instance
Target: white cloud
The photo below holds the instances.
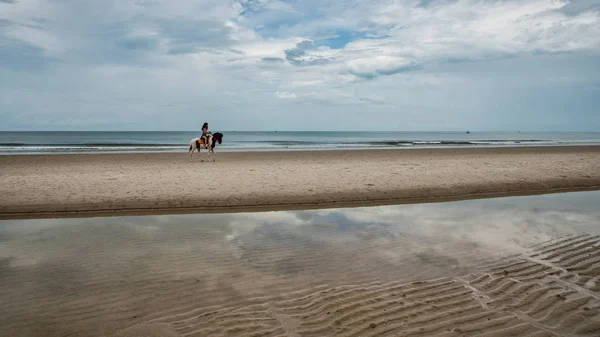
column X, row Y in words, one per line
column 190, row 53
column 469, row 30
column 286, row 95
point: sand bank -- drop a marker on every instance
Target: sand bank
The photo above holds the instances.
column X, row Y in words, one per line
column 63, row 185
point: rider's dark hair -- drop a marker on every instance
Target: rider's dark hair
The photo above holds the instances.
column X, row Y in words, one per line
column 205, row 125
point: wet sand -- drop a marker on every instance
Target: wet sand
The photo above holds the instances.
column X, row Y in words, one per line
column 498, row 267
column 109, row 184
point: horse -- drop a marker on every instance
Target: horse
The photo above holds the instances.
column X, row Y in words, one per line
column 198, row 143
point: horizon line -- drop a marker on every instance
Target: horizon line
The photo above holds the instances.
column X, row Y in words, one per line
column 363, row 131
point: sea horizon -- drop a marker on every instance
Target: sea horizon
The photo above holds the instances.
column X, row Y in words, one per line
column 37, row 142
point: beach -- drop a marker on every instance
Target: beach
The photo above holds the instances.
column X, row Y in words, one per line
column 112, row 184
column 521, row 266
column 144, row 183
column 425, row 168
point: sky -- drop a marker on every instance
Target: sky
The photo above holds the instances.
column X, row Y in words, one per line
column 418, row 65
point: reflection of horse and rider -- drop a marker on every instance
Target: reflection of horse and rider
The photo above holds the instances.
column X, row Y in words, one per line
column 208, row 141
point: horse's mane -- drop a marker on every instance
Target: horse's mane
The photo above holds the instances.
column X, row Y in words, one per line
column 218, row 136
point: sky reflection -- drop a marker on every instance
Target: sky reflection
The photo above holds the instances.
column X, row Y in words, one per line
column 156, row 263
column 488, row 226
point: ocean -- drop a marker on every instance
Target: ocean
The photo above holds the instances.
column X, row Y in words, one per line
column 178, row 141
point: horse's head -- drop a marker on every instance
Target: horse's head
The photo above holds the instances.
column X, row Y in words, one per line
column 218, row 136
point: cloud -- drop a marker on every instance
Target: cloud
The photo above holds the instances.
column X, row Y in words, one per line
column 286, row 95
column 405, row 61
column 139, row 42
column 272, row 59
column 38, row 38
column 379, row 65
column 302, row 54
column 580, row 6
column 16, row 54
column 195, row 35
column 432, row 3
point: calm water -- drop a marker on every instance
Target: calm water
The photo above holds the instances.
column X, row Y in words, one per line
column 79, row 142
column 67, row 277
column 501, row 222
column 385, row 242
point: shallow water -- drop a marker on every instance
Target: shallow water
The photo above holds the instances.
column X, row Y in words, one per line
column 62, row 276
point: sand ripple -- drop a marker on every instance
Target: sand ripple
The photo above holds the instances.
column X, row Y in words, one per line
column 551, row 290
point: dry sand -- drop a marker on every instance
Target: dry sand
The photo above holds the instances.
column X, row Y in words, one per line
column 47, row 185
column 303, row 274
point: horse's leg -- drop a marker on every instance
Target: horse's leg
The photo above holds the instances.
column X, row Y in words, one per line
column 212, row 149
column 208, row 147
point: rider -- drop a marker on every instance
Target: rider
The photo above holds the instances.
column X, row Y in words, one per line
column 205, row 133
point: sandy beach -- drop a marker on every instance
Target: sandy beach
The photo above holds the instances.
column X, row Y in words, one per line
column 525, row 266
column 84, row 184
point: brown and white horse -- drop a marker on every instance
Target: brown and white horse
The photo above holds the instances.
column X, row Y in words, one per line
column 197, row 144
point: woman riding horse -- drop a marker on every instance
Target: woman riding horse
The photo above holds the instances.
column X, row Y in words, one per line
column 198, row 143
column 205, row 133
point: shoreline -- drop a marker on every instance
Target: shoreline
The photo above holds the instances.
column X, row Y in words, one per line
column 83, row 185
column 235, row 150
column 283, row 207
